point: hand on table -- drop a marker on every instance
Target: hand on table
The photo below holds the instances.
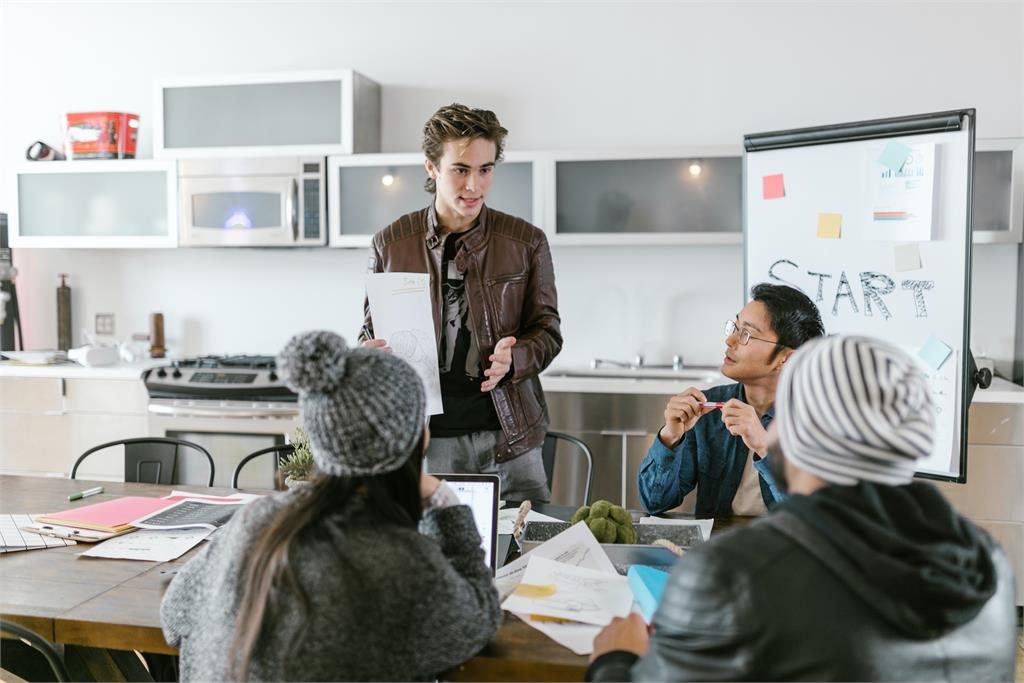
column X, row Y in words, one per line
column 629, row 634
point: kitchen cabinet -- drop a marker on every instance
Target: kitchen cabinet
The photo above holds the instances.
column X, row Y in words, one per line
column 998, row 202
column 367, row 192
column 662, row 197
column 300, row 113
column 95, row 204
column 47, row 422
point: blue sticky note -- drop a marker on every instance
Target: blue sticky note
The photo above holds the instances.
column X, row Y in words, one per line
column 647, row 584
column 894, row 156
column 934, row 352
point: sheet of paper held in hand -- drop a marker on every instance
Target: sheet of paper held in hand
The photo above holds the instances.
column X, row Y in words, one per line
column 402, row 316
column 150, row 544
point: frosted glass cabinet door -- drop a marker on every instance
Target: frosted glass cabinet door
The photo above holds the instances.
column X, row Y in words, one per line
column 96, row 204
column 645, row 198
column 998, row 190
column 367, row 197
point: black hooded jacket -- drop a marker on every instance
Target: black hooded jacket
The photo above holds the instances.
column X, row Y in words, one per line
column 854, row 583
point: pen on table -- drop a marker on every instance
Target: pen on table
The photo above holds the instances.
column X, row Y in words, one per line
column 86, row 493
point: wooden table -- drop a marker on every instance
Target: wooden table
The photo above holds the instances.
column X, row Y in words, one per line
column 115, row 604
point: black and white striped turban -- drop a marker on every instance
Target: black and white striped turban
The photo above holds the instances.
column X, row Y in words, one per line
column 853, row 409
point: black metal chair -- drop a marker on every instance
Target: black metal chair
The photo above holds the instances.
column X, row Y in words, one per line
column 41, row 645
column 282, row 450
column 551, row 441
column 150, row 459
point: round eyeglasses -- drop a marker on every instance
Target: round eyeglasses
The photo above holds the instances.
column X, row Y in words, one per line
column 744, row 336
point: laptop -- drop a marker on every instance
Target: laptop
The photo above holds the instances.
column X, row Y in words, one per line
column 480, row 493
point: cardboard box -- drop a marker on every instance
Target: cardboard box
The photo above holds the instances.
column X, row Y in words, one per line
column 101, row 135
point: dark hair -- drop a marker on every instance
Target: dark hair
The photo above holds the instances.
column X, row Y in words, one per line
column 456, row 122
column 268, row 573
column 793, row 316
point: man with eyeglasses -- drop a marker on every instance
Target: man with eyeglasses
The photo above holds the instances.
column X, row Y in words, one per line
column 717, row 440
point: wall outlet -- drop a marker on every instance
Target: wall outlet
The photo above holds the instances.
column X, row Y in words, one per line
column 105, row 323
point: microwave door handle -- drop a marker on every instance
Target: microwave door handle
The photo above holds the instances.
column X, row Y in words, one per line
column 295, row 210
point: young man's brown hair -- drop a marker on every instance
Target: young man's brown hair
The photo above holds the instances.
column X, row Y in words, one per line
column 455, row 122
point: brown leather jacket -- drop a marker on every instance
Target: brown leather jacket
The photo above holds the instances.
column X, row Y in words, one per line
column 510, row 291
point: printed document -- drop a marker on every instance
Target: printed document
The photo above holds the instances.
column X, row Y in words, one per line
column 576, row 546
column 565, row 591
column 403, row 316
column 150, row 544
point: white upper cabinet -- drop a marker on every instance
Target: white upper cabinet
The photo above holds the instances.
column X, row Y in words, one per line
column 368, row 192
column 657, row 197
column 998, row 202
column 298, row 113
column 95, row 204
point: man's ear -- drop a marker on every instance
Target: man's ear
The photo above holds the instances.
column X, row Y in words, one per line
column 781, row 359
column 431, row 169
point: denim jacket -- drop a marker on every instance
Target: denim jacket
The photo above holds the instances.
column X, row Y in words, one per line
column 709, row 456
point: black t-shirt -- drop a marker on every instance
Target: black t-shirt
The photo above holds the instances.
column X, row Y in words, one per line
column 466, row 408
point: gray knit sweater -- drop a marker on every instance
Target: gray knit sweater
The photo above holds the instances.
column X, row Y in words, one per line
column 388, row 603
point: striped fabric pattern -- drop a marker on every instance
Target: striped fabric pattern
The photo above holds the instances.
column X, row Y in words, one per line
column 854, row 409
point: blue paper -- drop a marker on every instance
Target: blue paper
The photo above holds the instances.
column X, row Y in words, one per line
column 934, row 352
column 894, row 156
column 647, row 584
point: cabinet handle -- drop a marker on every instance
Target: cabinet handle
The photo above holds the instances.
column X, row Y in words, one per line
column 295, row 210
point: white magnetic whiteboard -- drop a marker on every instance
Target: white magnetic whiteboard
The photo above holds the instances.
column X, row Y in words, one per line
column 872, row 221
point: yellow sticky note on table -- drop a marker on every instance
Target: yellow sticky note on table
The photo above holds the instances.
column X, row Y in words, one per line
column 830, row 225
column 527, row 590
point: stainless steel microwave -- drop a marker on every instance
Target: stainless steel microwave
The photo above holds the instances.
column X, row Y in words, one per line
column 257, row 202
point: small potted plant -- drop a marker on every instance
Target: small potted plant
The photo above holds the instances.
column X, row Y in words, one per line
column 298, row 466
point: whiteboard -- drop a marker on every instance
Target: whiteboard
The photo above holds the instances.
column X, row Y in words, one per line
column 872, row 221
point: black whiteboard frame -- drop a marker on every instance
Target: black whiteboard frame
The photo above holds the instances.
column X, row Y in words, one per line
column 919, row 124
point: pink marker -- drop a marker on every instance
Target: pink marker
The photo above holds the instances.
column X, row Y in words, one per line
column 713, row 404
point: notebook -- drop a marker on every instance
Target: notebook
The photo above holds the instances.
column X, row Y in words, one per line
column 110, row 516
column 480, row 493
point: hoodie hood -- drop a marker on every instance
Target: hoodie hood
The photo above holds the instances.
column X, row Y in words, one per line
column 929, row 568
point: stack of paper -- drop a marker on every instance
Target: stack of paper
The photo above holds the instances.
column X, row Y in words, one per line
column 566, row 588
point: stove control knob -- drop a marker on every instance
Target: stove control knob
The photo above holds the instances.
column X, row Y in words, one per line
column 161, row 373
column 272, row 376
column 176, row 374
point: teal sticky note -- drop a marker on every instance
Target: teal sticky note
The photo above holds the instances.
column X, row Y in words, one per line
column 934, row 352
column 894, row 156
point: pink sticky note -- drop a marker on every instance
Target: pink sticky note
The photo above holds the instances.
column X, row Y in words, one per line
column 773, row 186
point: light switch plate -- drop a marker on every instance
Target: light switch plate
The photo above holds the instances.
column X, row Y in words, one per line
column 105, row 323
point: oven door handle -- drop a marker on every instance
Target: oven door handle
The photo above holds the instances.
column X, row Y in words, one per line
column 193, row 411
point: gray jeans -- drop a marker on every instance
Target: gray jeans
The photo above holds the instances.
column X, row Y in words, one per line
column 521, row 479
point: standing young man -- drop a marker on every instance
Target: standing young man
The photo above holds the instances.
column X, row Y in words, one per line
column 494, row 303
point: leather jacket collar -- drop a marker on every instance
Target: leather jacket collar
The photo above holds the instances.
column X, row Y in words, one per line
column 476, row 238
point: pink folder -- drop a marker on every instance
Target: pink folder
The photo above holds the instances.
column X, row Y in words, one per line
column 110, row 515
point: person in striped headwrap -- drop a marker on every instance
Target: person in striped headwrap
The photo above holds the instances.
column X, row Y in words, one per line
column 861, row 574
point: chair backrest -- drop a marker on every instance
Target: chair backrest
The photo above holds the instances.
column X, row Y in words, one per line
column 282, row 450
column 150, row 459
column 39, row 643
column 579, row 449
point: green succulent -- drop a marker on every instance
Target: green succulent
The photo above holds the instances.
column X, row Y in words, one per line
column 298, row 465
column 608, row 522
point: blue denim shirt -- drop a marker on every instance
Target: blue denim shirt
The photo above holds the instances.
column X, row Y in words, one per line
column 709, row 456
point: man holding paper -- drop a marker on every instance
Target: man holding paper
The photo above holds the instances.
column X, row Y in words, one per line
column 494, row 306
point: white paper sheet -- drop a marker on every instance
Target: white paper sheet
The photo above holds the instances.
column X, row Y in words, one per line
column 704, row 524
column 901, row 201
column 402, row 315
column 576, row 546
column 507, row 519
column 577, row 637
column 584, row 595
column 149, row 544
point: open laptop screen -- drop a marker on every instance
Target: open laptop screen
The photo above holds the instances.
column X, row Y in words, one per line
column 480, row 493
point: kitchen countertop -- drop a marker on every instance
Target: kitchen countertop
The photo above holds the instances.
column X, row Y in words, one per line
column 656, row 383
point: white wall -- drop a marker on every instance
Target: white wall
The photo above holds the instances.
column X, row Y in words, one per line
column 560, row 75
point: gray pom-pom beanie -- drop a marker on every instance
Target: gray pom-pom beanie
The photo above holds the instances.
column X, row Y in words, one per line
column 363, row 409
column 853, row 409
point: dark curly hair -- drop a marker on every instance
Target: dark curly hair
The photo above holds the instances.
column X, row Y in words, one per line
column 456, row 122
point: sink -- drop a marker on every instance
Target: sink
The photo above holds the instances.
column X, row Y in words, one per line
column 699, row 373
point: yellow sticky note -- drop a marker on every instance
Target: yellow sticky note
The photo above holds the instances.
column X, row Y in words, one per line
column 830, row 225
column 527, row 590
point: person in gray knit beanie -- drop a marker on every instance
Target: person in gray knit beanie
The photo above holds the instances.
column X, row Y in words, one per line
column 363, row 409
column 854, row 409
column 373, row 571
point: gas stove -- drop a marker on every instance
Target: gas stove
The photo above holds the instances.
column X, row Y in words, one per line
column 219, row 378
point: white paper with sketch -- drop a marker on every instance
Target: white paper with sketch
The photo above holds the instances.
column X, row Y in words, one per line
column 565, row 591
column 150, row 544
column 704, row 524
column 403, row 316
column 576, row 546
